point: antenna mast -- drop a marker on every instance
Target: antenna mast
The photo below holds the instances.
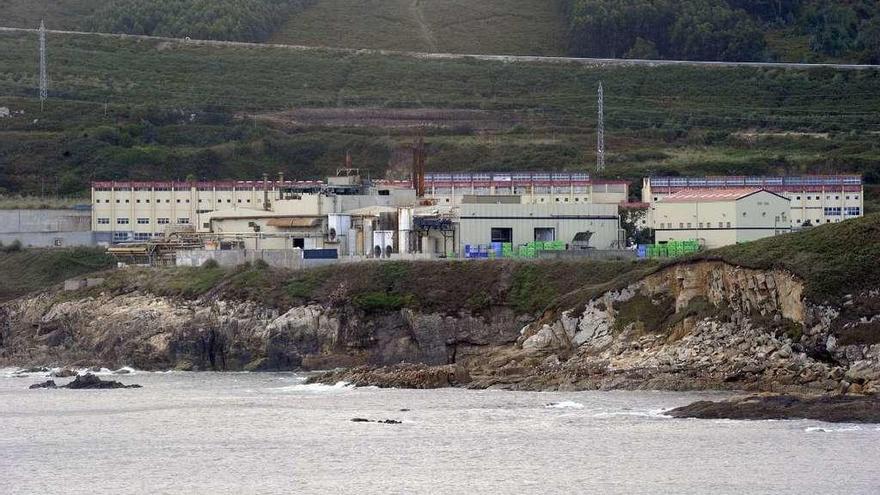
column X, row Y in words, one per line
column 600, row 146
column 44, row 78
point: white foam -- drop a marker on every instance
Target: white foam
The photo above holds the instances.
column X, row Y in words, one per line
column 565, row 405
column 651, row 413
column 316, row 388
column 828, row 429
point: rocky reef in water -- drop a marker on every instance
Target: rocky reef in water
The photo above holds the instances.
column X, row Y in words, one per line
column 688, row 326
column 832, row 409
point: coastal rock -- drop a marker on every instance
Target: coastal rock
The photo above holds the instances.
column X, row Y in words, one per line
column 834, row 409
column 90, row 381
column 46, row 384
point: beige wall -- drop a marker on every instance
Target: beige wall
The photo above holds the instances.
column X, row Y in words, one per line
column 721, row 223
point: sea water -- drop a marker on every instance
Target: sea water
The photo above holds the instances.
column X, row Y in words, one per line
column 271, row 433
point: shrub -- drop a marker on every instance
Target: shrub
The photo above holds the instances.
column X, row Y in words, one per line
column 210, row 264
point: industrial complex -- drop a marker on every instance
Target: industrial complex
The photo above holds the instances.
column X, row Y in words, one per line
column 462, row 215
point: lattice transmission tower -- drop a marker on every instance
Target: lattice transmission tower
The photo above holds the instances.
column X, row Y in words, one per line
column 600, row 145
column 44, row 78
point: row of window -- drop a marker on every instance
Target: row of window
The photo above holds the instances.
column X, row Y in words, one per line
column 827, row 197
column 702, row 225
column 142, row 221
column 98, row 201
column 850, row 211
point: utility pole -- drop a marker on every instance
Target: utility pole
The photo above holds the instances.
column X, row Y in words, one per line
column 600, row 146
column 44, row 78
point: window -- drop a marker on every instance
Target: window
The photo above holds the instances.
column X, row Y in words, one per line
column 502, row 235
column 120, row 236
column 97, row 201
column 126, row 201
column 720, row 225
column 143, row 221
column 689, row 225
column 162, row 221
column 167, row 200
column 728, row 225
column 852, row 211
column 137, row 201
column 142, row 236
column 103, row 221
column 183, row 221
column 147, row 200
column 121, row 221
column 701, row 225
column 178, row 201
column 836, row 197
column 744, row 213
column 681, row 225
column 797, row 198
column 117, row 201
column 833, row 212
column 545, row 234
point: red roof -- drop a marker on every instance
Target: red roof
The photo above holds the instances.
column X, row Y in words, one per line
column 697, row 195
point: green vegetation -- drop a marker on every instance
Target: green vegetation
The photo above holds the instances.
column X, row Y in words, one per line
column 516, row 27
column 176, row 109
column 740, row 30
column 834, row 259
column 229, row 20
column 58, row 14
column 27, row 270
column 649, row 316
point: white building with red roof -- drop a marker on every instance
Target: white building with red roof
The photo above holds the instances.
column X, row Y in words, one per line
column 720, row 217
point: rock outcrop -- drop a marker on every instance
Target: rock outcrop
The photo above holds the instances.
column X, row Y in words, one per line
column 833, row 409
column 701, row 325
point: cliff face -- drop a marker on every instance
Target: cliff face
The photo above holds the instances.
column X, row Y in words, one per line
column 689, row 326
column 153, row 332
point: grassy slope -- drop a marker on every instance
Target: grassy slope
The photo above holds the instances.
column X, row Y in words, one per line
column 834, row 259
column 448, row 287
column 671, row 119
column 34, row 269
column 58, row 14
column 520, row 27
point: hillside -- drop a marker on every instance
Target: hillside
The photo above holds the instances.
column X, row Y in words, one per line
column 151, row 109
column 738, row 30
column 516, row 27
column 35, row 269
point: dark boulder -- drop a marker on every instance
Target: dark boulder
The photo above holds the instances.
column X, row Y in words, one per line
column 90, row 381
column 46, row 384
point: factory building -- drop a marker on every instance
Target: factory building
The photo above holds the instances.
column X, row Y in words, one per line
column 483, row 223
column 720, row 217
column 817, row 199
column 529, row 187
column 141, row 211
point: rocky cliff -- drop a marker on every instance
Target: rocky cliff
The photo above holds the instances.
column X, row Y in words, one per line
column 698, row 325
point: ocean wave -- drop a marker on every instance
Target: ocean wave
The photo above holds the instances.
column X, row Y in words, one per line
column 651, row 413
column 830, row 429
column 317, row 388
column 565, row 405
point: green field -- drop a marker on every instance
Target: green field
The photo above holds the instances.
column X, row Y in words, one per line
column 29, row 270
column 151, row 109
column 520, row 27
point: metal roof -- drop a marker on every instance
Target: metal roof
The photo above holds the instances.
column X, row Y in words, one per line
column 695, row 195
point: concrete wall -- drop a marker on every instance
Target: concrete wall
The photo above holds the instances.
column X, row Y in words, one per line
column 477, row 222
column 50, row 239
column 290, row 259
column 46, row 228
